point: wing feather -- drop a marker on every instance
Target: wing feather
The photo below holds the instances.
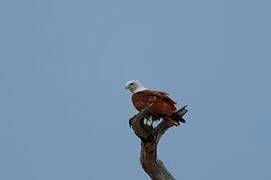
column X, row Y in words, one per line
column 162, row 103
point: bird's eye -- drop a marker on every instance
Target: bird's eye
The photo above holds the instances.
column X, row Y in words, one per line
column 131, row 84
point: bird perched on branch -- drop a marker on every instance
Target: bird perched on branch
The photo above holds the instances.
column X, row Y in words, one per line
column 161, row 105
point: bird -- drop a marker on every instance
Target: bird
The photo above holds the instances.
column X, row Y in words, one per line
column 161, row 106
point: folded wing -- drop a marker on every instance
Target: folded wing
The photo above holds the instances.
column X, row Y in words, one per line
column 163, row 105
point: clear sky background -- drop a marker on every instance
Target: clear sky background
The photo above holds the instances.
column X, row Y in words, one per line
column 63, row 109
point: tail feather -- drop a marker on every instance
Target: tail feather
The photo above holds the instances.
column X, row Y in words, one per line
column 177, row 118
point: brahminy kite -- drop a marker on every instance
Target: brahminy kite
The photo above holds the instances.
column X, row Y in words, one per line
column 162, row 105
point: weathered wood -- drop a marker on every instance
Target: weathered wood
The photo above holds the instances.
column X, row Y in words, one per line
column 149, row 140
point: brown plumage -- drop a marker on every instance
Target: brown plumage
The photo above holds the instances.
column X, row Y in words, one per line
column 162, row 105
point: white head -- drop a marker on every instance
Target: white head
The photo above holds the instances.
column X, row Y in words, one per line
column 134, row 86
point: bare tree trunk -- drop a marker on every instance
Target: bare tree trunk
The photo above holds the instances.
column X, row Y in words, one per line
column 149, row 140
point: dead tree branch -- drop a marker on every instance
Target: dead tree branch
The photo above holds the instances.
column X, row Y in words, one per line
column 149, row 140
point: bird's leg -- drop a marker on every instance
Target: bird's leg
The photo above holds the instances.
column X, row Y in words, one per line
column 152, row 123
column 149, row 122
column 145, row 121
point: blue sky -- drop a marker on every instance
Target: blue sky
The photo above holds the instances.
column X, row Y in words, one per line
column 64, row 112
